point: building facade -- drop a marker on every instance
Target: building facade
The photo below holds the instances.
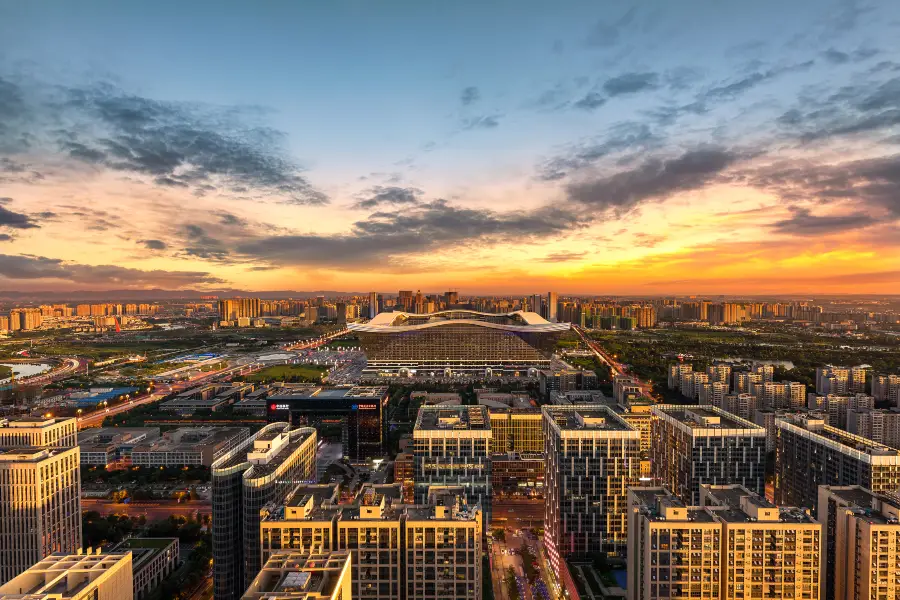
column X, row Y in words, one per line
column 694, row 445
column 76, row 576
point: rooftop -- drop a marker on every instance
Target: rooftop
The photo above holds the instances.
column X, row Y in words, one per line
column 464, row 418
column 522, row 321
column 297, row 437
column 326, row 393
column 587, row 417
column 838, row 439
column 300, row 576
column 705, row 417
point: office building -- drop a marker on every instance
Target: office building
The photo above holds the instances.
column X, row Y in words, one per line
column 373, row 304
column 189, row 446
column 457, row 343
column 261, row 470
column 810, row 453
column 516, row 430
column 39, row 431
column 152, row 561
column 835, row 407
column 735, row 545
column 423, row 551
column 561, row 381
column 40, row 505
column 452, row 447
column 552, row 306
column 359, row 411
column 862, row 542
column 104, row 446
column 592, row 458
column 75, row 576
column 694, row 445
column 300, row 576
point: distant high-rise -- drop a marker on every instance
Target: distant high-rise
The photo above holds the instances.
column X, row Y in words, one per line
column 451, row 298
column 262, row 469
column 373, row 304
column 233, row 309
column 536, row 305
column 552, row 306
column 694, row 445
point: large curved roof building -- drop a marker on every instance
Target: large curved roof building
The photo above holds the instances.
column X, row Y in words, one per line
column 457, row 343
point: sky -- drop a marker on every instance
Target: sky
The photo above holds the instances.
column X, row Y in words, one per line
column 651, row 147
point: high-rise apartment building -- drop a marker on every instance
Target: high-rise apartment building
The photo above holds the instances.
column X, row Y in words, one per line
column 713, row 393
column 428, row 551
column 452, row 447
column 836, row 407
column 301, row 576
column 810, row 453
column 768, row 551
column 862, row 543
column 74, row 576
column 261, row 470
column 694, row 445
column 676, row 372
column 878, row 425
column 736, row 545
column 720, row 373
column 39, row 431
column 40, row 505
column 783, row 395
column 832, row 380
column 742, row 405
column 592, row 458
column 25, row 319
column 886, row 388
column 233, row 309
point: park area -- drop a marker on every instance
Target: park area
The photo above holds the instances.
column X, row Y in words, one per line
column 288, row 373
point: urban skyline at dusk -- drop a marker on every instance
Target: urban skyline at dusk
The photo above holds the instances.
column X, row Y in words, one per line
column 627, row 148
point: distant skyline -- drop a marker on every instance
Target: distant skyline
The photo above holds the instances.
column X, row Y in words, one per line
column 639, row 148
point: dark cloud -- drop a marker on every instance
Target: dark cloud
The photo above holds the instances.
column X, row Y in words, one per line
column 227, row 218
column 482, row 122
column 16, row 220
column 854, row 109
column 870, row 183
column 28, row 267
column 653, row 180
column 805, row 222
column 388, row 195
column 175, row 144
column 386, row 236
column 623, row 137
column 5, row 237
column 200, row 244
column 605, row 34
column 836, row 56
column 154, row 244
column 469, row 95
column 630, row 83
column 591, row 101
column 744, row 84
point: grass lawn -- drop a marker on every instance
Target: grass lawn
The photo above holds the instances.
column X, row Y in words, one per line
column 296, row 373
column 5, row 372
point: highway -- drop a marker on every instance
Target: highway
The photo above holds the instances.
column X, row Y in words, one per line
column 615, row 367
column 308, row 344
column 95, row 419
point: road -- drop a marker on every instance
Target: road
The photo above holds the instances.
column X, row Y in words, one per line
column 154, row 511
column 615, row 367
column 306, row 345
column 95, row 419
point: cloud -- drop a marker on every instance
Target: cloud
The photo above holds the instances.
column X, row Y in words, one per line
column 16, row 220
column 154, row 244
column 388, row 195
column 175, row 144
column 622, row 137
column 836, row 56
column 562, row 257
column 873, row 183
column 605, row 34
column 482, row 122
column 654, row 179
column 805, row 222
column 740, row 86
column 591, row 101
column 5, row 237
column 630, row 83
column 227, row 218
column 202, row 245
column 469, row 95
column 28, row 267
column 396, row 235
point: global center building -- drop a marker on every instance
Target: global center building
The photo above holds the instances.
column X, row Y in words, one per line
column 457, row 343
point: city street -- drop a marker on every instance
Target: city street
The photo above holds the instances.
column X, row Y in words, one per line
column 506, row 554
column 154, row 511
